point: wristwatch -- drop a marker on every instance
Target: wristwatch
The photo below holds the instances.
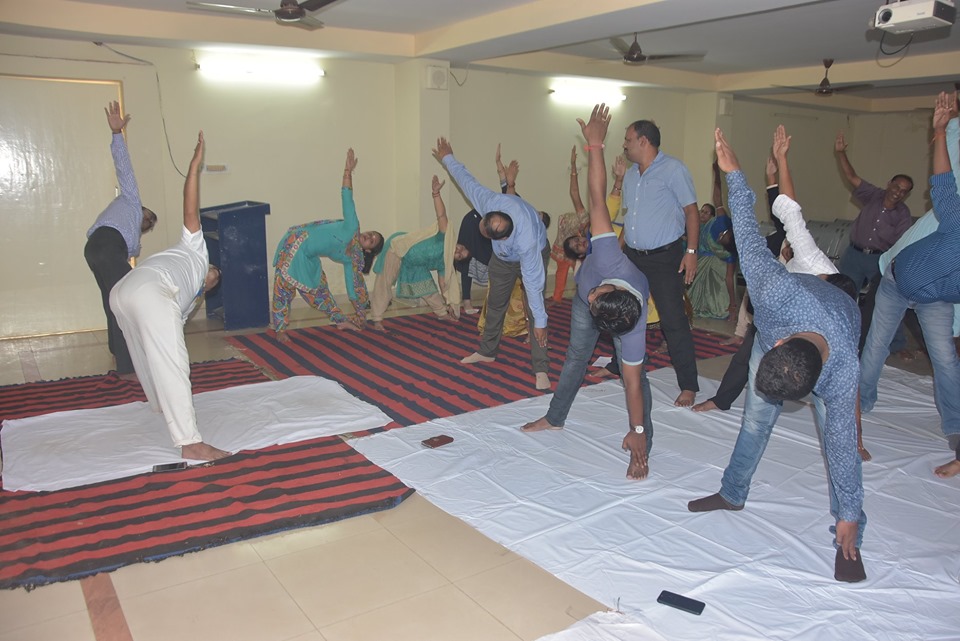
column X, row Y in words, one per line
column 691, row 251
column 638, row 429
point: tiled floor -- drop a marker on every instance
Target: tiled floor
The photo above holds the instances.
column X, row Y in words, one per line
column 411, row 573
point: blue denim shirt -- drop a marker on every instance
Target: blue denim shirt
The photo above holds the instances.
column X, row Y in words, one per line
column 785, row 304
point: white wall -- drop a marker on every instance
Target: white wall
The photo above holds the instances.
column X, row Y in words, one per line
column 286, row 145
column 880, row 145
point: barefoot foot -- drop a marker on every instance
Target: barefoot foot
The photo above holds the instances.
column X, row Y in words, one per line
column 130, row 377
column 711, row 503
column 378, row 326
column 849, row 570
column 477, row 358
column 282, row 337
column 601, row 372
column 539, row 425
column 948, row 470
column 543, row 381
column 685, row 399
column 705, row 406
column 733, row 340
column 202, row 452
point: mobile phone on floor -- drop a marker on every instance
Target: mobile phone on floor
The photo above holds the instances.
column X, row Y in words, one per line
column 437, row 441
column 167, row 467
column 681, row 602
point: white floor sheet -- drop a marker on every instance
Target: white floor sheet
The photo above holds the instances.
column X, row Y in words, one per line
column 67, row 449
column 561, row 499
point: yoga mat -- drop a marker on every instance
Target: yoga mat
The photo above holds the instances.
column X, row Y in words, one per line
column 55, row 536
column 413, row 372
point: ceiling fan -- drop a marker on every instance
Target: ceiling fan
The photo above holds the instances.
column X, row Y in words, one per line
column 290, row 12
column 825, row 89
column 633, row 55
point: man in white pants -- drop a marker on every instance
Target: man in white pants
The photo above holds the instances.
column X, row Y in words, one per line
column 152, row 303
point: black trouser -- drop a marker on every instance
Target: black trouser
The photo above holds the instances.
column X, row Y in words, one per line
column 666, row 288
column 106, row 254
column 738, row 372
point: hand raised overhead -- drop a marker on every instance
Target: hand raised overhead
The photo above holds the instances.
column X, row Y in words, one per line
column 781, row 143
column 726, row 159
column 595, row 130
column 115, row 119
column 442, row 149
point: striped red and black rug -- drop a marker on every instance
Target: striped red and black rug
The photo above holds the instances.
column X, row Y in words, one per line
column 413, row 372
column 47, row 537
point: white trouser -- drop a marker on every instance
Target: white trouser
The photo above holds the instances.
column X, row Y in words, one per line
column 147, row 311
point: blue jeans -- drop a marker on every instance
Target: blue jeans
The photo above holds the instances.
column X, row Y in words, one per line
column 583, row 339
column 936, row 320
column 759, row 417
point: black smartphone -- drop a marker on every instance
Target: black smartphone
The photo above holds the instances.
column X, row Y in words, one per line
column 681, row 602
column 166, row 467
column 437, row 441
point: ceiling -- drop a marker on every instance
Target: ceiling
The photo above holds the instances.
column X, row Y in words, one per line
column 750, row 45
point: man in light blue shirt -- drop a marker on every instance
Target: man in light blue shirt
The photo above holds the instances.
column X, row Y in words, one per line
column 520, row 249
column 114, row 237
column 662, row 210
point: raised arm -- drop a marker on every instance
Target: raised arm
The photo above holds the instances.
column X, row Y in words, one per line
column 941, row 116
column 946, row 202
column 348, row 167
column 808, row 258
column 438, row 206
column 781, row 145
column 840, row 147
column 482, row 198
column 594, row 133
column 717, row 190
column 191, row 189
column 575, row 183
column 118, row 147
column 511, row 177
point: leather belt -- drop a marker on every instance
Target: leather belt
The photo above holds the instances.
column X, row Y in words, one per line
column 864, row 250
column 657, row 250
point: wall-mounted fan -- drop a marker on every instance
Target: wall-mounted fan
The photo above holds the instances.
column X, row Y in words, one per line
column 291, row 12
column 633, row 55
column 825, row 89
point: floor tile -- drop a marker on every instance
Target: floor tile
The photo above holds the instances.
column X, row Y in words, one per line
column 348, row 577
column 246, row 604
column 444, row 614
column 140, row 578
column 73, row 627
column 19, row 608
column 529, row 600
column 452, row 547
column 276, row 545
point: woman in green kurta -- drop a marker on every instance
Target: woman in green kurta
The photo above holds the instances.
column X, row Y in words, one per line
column 297, row 266
column 409, row 260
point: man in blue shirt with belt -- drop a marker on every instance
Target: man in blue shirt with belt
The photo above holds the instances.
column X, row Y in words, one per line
column 115, row 236
column 520, row 249
column 662, row 211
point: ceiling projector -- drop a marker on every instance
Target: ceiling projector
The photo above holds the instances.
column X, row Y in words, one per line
column 908, row 16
